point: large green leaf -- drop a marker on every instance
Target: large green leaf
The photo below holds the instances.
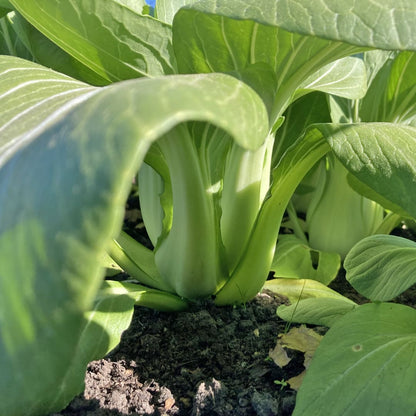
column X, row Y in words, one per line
column 382, row 266
column 241, row 41
column 316, row 311
column 310, row 301
column 45, row 52
column 391, row 92
column 344, row 78
column 31, row 93
column 74, row 165
column 100, row 333
column 382, row 158
column 364, row 365
column 384, row 24
column 104, row 35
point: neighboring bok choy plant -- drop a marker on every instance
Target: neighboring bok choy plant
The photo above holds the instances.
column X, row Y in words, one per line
column 337, row 216
column 190, row 101
column 366, row 362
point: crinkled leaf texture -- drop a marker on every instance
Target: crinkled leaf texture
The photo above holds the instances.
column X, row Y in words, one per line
column 381, row 24
column 381, row 158
column 364, row 365
column 72, row 151
column 381, row 267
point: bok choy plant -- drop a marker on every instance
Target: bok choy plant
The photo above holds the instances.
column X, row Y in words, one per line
column 337, row 216
column 366, row 361
column 190, row 101
column 368, row 353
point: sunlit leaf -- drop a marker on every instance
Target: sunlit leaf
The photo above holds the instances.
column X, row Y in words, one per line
column 365, row 364
column 114, row 41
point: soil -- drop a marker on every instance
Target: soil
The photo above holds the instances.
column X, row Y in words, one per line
column 206, row 361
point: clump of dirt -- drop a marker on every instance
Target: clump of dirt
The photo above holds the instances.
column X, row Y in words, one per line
column 206, row 361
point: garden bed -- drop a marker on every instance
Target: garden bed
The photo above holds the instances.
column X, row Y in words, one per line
column 208, row 361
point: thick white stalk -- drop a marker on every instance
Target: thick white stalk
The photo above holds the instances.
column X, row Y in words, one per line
column 189, row 257
column 246, row 182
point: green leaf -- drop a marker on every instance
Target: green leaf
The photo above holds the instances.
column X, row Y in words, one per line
column 365, row 364
column 149, row 298
column 337, row 216
column 5, row 7
column 345, row 78
column 316, row 311
column 6, row 4
column 391, row 95
column 30, row 94
column 294, row 259
column 114, row 41
column 10, row 43
column 166, row 9
column 137, row 260
column 298, row 289
column 66, row 162
column 381, row 267
column 230, row 37
column 100, row 333
column 382, row 157
column 135, row 5
column 307, row 110
column 248, row 277
column 46, row 53
column 375, row 23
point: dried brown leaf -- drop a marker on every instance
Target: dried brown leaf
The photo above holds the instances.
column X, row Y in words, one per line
column 279, row 355
column 301, row 339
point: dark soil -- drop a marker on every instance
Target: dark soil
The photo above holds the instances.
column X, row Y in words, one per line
column 208, row 361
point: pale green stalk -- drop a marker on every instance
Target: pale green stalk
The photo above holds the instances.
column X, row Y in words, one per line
column 252, row 271
column 189, row 256
column 246, row 182
column 338, row 217
column 150, row 190
column 136, row 260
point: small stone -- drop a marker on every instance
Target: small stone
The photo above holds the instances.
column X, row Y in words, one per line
column 264, row 404
column 209, row 398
